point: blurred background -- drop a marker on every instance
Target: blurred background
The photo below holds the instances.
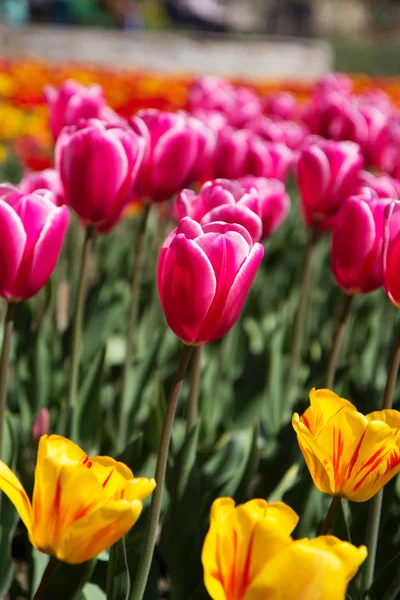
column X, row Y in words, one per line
column 362, row 33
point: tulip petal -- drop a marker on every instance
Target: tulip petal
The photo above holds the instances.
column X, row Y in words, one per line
column 313, row 178
column 46, row 252
column 11, row 487
column 325, row 404
column 239, row 291
column 99, row 530
column 305, row 570
column 189, row 279
column 12, row 244
column 236, row 214
column 174, row 156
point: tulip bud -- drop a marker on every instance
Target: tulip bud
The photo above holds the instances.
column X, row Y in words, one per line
column 72, row 102
column 357, row 244
column 274, row 201
column 286, row 132
column 223, row 200
column 283, row 105
column 41, row 424
column 391, row 253
column 32, row 231
column 204, row 276
column 48, row 179
column 171, row 152
column 231, row 154
column 268, row 159
column 327, row 174
column 98, row 165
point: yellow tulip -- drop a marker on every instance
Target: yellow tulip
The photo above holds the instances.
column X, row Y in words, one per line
column 249, row 554
column 347, row 453
column 80, row 505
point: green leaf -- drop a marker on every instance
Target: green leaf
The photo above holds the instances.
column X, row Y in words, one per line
column 86, row 415
column 8, row 522
column 68, row 581
column 93, row 592
column 119, row 578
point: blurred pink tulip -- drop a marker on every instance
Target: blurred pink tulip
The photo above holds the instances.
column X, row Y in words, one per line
column 206, row 143
column 223, row 200
column 290, row 133
column 41, row 424
column 327, row 174
column 357, row 244
column 334, row 82
column 72, row 101
column 391, row 253
column 247, row 106
column 98, row 165
column 171, row 152
column 48, row 179
column 283, row 105
column 268, row 159
column 32, row 231
column 274, row 201
column 381, row 185
column 231, row 154
column 204, row 276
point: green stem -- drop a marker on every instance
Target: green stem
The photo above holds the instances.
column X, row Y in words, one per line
column 193, row 402
column 47, row 575
column 375, row 508
column 301, row 317
column 4, row 368
column 155, row 507
column 327, row 524
column 77, row 330
column 131, row 328
column 337, row 342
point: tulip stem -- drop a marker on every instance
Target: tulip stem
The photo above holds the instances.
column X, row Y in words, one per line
column 337, row 342
column 375, row 507
column 301, row 317
column 77, row 331
column 193, row 402
column 4, row 368
column 156, row 500
column 47, row 575
column 136, row 279
column 327, row 524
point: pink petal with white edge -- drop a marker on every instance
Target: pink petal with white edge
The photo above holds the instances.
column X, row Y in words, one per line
column 236, row 214
column 12, row 245
column 187, row 287
column 223, row 227
column 239, row 292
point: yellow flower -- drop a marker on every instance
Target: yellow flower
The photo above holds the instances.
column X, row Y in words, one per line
column 81, row 505
column 248, row 554
column 348, row 454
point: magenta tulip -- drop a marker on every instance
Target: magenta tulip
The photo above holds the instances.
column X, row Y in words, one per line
column 268, row 159
column 41, row 425
column 171, row 151
column 48, row 179
column 274, row 201
column 204, row 276
column 327, row 174
column 283, row 105
column 391, row 254
column 290, row 133
column 98, row 165
column 381, row 185
column 357, row 244
column 231, row 154
column 334, row 82
column 32, row 231
column 72, row 102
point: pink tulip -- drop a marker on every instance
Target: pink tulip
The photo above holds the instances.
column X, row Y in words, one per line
column 204, row 276
column 334, row 82
column 247, row 106
column 381, row 185
column 171, row 151
column 206, row 143
column 268, row 159
column 215, row 120
column 290, row 133
column 327, row 174
column 41, row 425
column 72, row 102
column 357, row 244
column 283, row 105
column 231, row 153
column 223, row 200
column 391, row 253
column 32, row 231
column 98, row 165
column 48, row 179
column 274, row 201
